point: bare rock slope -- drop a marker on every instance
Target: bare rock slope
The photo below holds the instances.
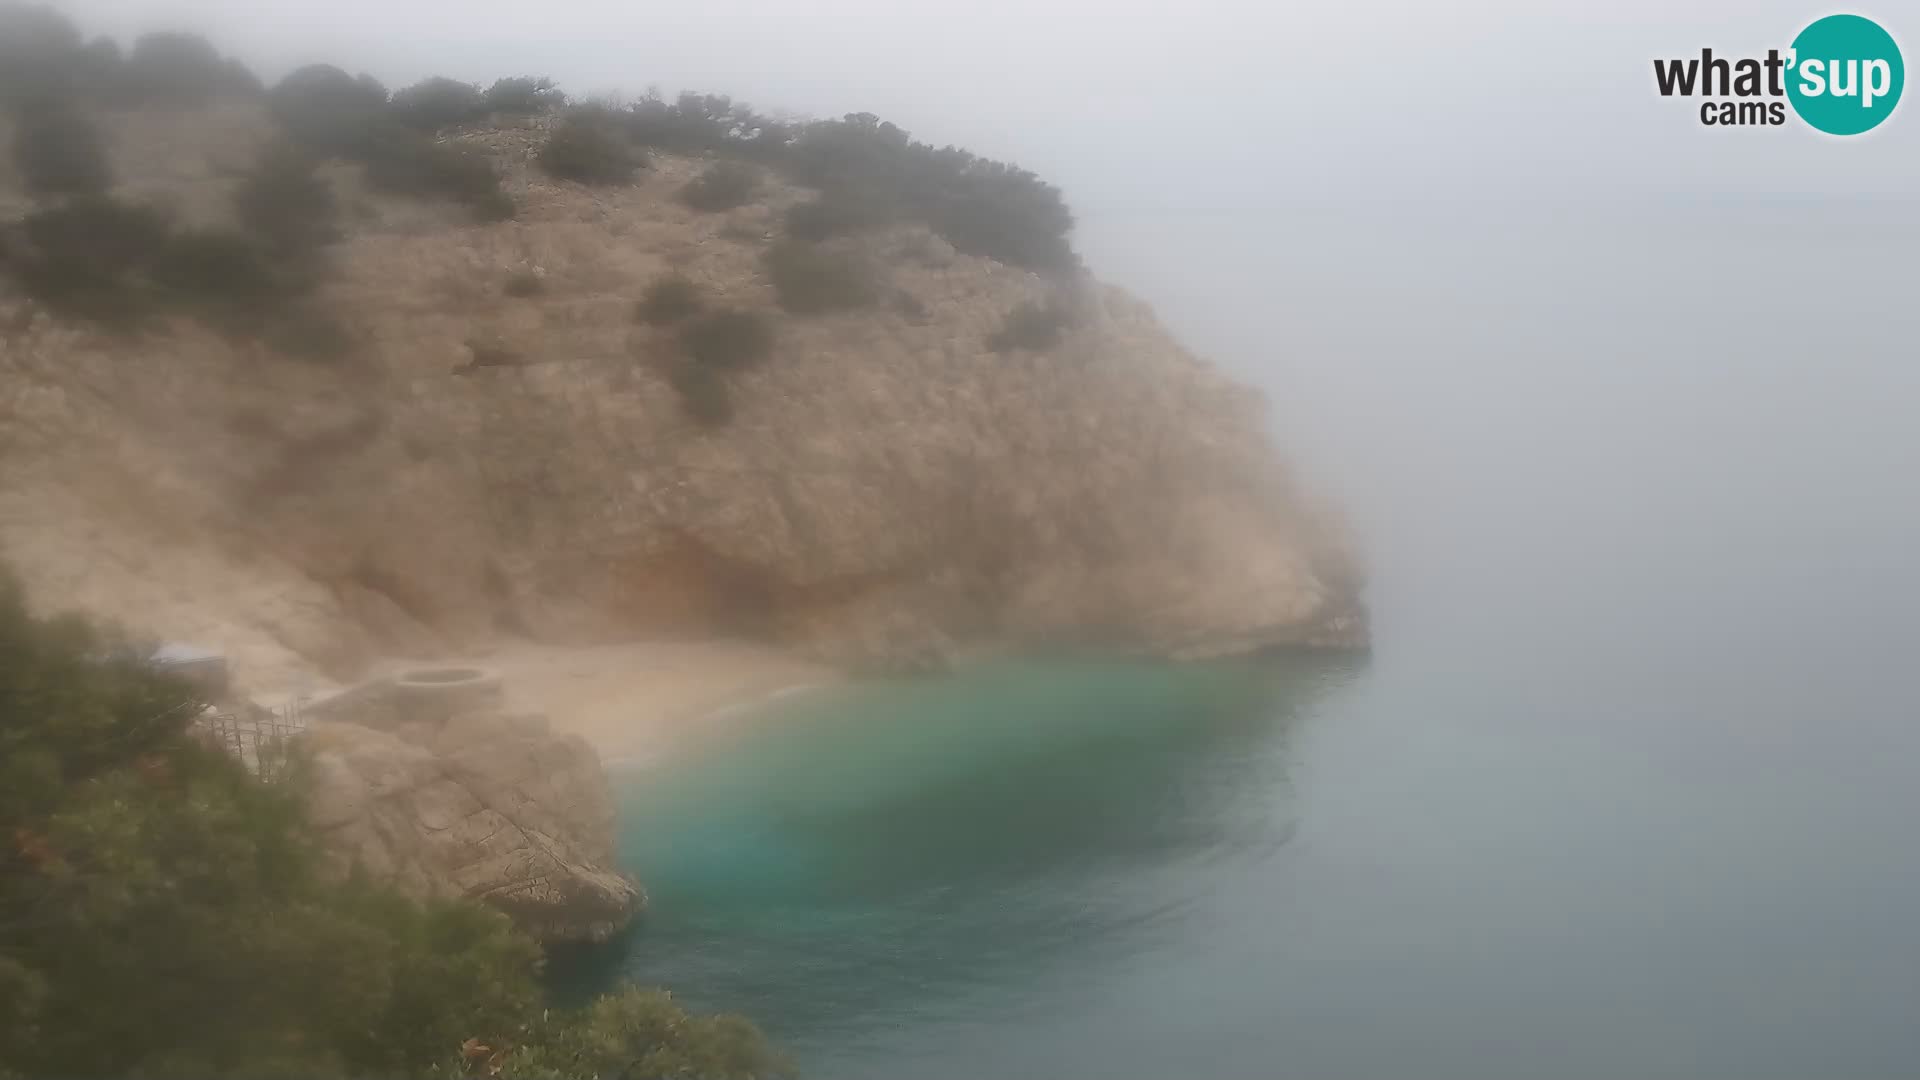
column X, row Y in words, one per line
column 431, row 788
column 889, row 489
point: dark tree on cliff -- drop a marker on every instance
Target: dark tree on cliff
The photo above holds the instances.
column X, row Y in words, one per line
column 328, row 111
column 438, row 102
column 184, row 69
column 58, row 151
column 38, row 50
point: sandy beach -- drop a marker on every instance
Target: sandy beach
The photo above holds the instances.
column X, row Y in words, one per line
column 635, row 701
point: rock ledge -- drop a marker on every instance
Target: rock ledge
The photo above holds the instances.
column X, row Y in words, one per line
column 426, row 784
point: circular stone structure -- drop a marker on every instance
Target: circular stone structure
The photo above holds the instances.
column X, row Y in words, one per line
column 448, row 690
column 441, row 676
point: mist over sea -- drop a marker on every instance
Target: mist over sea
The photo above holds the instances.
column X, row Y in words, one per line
column 1626, row 788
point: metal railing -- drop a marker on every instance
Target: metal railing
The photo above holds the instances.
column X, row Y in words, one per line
column 258, row 738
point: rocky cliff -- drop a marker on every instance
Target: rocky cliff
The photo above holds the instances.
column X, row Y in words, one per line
column 890, row 488
column 427, row 785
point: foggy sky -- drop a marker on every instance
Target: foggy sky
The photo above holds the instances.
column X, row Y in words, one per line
column 1121, row 103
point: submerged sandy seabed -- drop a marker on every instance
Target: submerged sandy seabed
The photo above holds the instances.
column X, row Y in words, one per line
column 635, row 701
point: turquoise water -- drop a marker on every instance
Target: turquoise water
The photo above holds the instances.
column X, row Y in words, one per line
column 1627, row 788
column 864, row 867
column 1079, row 870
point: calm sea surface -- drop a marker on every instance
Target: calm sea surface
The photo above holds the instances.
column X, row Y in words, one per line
column 1629, row 786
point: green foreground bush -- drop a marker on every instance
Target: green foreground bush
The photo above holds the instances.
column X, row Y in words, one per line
column 163, row 913
column 643, row 1035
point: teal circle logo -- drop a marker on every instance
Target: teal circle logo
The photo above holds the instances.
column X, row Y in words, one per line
column 1845, row 75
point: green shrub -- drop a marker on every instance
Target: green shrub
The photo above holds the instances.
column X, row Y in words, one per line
column 408, row 163
column 495, row 205
column 980, row 206
column 642, row 1035
column 668, row 300
column 708, row 123
column 834, row 215
column 711, row 123
column 287, row 205
column 522, row 284
column 114, row 236
column 99, row 70
column 75, row 289
column 328, row 111
column 857, row 150
column 38, row 47
column 185, row 69
column 744, row 232
column 811, row 279
column 589, row 148
column 910, row 306
column 524, row 96
column 728, row 339
column 90, row 257
column 703, row 393
column 1006, row 214
column 486, row 353
column 58, row 151
column 723, row 186
column 437, row 103
column 1034, row 326
column 691, row 123
column 306, row 332
column 114, row 262
column 215, row 266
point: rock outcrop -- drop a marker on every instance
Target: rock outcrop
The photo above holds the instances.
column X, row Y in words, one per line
column 428, row 786
column 890, row 488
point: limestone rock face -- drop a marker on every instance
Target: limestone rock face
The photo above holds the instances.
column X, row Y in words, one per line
column 889, row 489
column 445, row 796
